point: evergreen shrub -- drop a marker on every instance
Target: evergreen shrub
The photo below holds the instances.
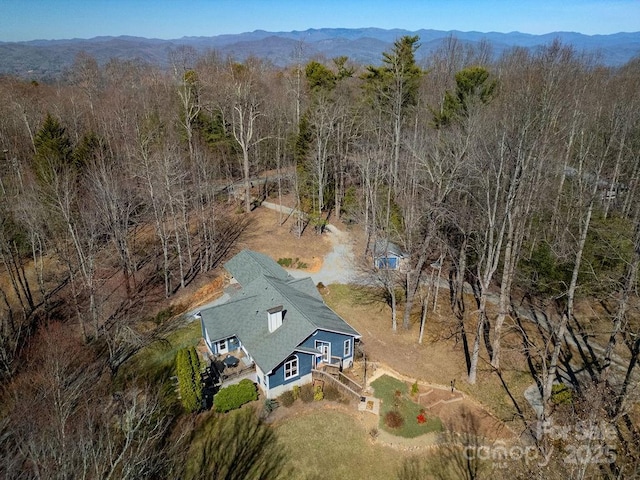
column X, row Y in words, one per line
column 317, row 393
column 234, row 396
column 188, row 371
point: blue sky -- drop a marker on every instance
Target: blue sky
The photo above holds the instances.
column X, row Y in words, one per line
column 57, row 19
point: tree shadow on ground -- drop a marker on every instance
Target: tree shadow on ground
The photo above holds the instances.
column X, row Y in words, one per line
column 236, row 446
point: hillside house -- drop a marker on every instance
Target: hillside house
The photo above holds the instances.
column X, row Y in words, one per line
column 277, row 325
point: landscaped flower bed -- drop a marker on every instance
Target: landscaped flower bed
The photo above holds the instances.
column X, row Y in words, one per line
column 421, row 418
column 400, row 415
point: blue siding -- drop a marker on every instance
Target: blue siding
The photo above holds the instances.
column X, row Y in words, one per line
column 336, row 340
column 387, row 263
column 232, row 344
column 305, row 364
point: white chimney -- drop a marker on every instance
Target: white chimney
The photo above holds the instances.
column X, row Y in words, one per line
column 274, row 316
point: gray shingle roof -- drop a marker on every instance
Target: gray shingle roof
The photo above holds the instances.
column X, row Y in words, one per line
column 384, row 247
column 248, row 265
column 245, row 316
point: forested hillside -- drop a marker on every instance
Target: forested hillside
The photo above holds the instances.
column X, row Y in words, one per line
column 125, row 183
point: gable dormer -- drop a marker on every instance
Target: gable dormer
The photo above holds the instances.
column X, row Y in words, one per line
column 274, row 317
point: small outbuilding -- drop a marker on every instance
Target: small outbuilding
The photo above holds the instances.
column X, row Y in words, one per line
column 388, row 256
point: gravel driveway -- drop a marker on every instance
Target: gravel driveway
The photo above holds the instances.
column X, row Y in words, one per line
column 337, row 266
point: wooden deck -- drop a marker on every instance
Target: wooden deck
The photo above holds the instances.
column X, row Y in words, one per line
column 225, row 375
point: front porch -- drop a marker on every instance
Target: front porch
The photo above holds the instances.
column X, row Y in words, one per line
column 333, row 366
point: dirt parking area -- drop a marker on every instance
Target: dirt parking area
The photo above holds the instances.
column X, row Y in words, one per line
column 270, row 233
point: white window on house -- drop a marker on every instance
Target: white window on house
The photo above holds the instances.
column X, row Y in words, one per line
column 325, row 350
column 291, row 368
column 347, row 348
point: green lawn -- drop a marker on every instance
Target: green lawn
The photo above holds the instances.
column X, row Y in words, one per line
column 333, row 445
column 156, row 362
column 394, row 394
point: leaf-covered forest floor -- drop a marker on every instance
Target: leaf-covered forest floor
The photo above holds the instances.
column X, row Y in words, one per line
column 440, row 359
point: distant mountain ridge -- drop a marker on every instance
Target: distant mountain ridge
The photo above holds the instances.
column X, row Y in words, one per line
column 48, row 59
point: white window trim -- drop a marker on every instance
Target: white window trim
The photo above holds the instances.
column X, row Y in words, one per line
column 347, row 348
column 326, row 356
column 288, row 365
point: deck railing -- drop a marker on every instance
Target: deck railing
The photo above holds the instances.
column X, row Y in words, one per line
column 237, row 373
column 352, row 384
column 335, row 382
column 335, row 361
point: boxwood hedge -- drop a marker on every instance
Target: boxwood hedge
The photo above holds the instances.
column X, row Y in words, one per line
column 234, row 396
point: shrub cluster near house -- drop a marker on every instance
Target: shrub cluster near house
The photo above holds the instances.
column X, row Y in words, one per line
column 234, row 396
column 188, row 371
